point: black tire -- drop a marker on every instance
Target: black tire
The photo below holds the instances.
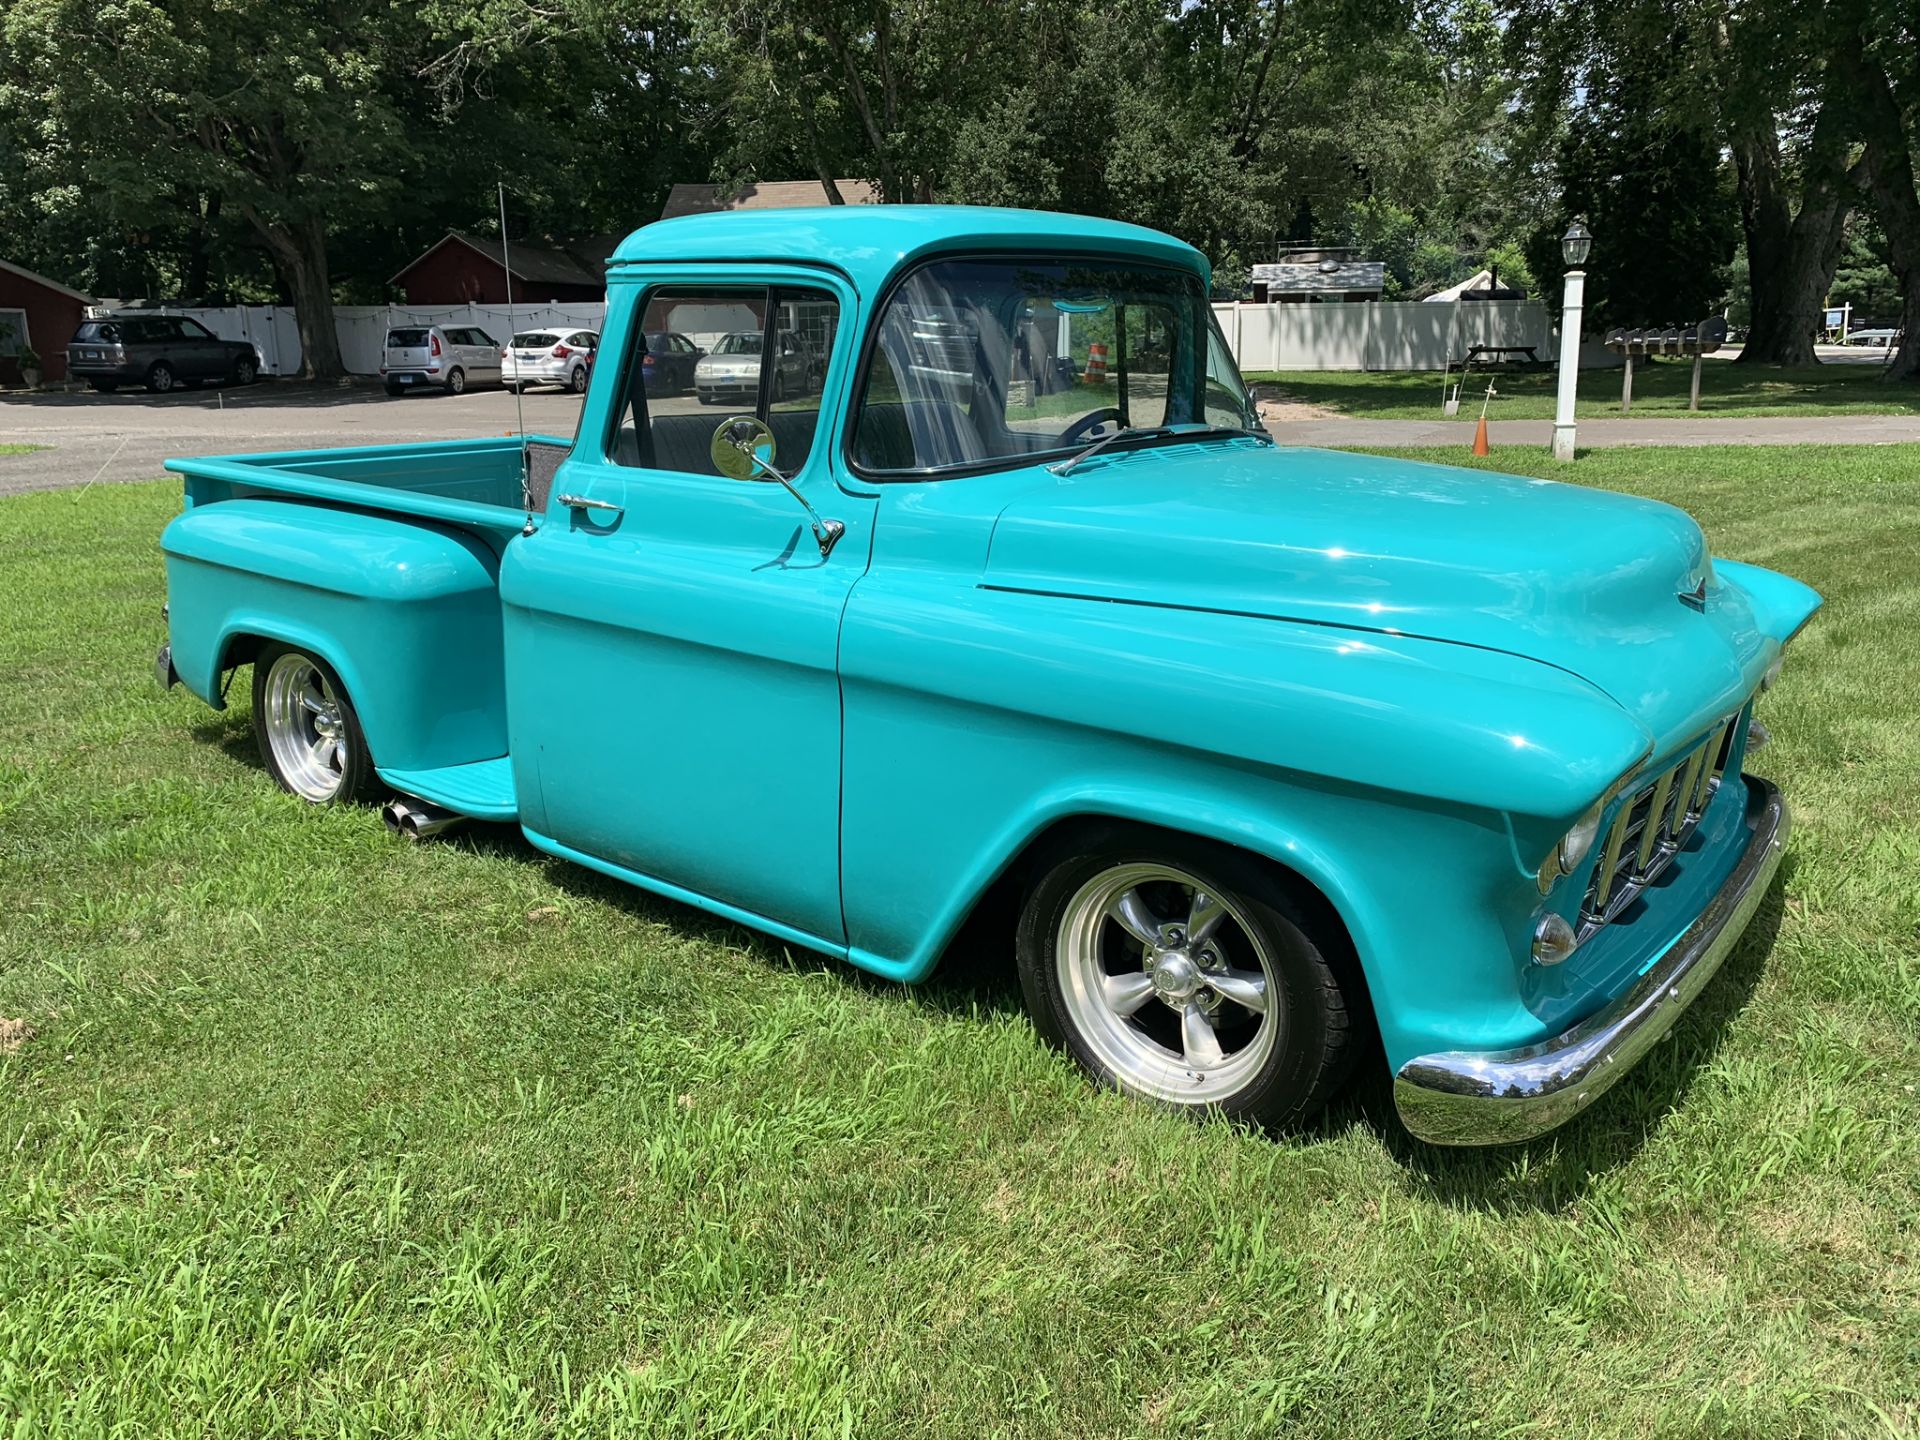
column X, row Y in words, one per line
column 357, row 781
column 160, row 377
column 1315, row 1039
column 396, row 390
column 104, row 387
column 779, row 389
column 245, row 371
column 456, row 382
column 577, row 381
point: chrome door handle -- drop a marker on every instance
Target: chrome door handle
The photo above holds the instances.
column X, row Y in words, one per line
column 581, row 502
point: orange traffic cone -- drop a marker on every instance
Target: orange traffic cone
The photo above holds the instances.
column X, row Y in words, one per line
column 1096, row 363
column 1480, row 437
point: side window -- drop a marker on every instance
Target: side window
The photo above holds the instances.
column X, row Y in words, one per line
column 742, row 332
column 193, row 329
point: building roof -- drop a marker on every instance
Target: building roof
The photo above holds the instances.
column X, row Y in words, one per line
column 763, row 195
column 1324, row 277
column 26, row 274
column 867, row 243
column 578, row 263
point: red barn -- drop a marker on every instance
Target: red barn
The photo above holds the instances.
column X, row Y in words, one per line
column 38, row 314
column 463, row 269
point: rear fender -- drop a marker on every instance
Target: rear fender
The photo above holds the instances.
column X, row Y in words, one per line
column 407, row 614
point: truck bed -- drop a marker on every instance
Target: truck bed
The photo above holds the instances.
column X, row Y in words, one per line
column 471, row 483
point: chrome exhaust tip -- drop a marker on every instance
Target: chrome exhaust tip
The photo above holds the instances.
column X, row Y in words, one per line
column 413, row 819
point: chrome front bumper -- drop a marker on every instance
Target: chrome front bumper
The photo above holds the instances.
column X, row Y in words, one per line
column 1497, row 1097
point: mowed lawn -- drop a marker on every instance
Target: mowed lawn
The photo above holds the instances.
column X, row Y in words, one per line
column 307, row 1131
column 1660, row 391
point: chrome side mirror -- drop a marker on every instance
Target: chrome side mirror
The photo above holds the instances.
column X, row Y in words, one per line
column 743, row 449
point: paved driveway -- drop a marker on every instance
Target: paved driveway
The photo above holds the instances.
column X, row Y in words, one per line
column 126, row 436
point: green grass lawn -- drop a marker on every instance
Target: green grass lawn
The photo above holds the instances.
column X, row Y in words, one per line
column 304, row 1131
column 14, row 449
column 1659, row 391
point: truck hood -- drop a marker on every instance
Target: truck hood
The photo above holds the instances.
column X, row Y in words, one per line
column 1584, row 580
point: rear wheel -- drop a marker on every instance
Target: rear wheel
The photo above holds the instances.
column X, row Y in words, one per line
column 396, row 389
column 577, row 382
column 309, row 735
column 160, row 377
column 105, row 387
column 1177, row 970
column 456, row 382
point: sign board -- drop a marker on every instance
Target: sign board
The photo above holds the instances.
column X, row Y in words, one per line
column 1836, row 318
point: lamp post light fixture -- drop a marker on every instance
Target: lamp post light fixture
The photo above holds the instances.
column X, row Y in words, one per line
column 1575, row 246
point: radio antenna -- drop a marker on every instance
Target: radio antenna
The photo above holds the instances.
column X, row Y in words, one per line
column 519, row 408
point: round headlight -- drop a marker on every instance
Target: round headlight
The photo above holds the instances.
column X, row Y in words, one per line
column 1577, row 843
column 1574, row 847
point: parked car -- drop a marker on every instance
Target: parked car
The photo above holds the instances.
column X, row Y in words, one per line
column 1877, row 337
column 1267, row 749
column 668, row 364
column 549, row 357
column 161, row 352
column 731, row 371
column 449, row 357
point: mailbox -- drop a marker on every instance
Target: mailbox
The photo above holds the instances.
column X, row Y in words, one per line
column 1702, row 339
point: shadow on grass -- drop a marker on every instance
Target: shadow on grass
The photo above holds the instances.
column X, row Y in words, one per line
column 976, row 975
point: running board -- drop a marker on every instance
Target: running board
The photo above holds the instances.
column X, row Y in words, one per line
column 482, row 790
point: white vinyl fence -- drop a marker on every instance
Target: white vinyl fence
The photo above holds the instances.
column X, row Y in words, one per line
column 363, row 328
column 1380, row 334
column 1373, row 335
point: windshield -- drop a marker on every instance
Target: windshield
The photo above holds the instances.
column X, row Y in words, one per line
column 979, row 363
column 741, row 343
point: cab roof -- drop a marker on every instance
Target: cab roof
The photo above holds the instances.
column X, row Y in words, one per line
column 868, row 243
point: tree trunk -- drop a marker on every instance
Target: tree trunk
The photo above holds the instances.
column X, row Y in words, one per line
column 1791, row 257
column 1888, row 167
column 299, row 253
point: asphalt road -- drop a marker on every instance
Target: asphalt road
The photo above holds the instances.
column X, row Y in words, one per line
column 126, row 436
column 100, row 439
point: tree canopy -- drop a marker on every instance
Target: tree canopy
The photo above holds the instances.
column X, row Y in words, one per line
column 304, row 150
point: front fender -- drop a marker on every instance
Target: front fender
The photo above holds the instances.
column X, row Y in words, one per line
column 406, row 613
column 1389, row 772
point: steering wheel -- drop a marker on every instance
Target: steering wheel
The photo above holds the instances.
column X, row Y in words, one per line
column 1078, row 430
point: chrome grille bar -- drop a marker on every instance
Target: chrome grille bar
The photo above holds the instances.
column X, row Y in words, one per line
column 1652, row 826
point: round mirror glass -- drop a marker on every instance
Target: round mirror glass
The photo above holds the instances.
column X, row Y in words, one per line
column 741, row 446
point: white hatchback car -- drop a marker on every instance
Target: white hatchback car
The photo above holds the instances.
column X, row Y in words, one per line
column 446, row 357
column 549, row 357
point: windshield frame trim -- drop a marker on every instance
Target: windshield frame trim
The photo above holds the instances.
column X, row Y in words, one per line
column 870, row 343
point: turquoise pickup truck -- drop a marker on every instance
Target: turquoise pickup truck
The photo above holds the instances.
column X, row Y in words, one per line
column 1008, row 607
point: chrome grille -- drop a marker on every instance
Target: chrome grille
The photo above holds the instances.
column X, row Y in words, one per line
column 1652, row 826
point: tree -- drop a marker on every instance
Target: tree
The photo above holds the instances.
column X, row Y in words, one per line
column 1885, row 76
column 1651, row 186
column 281, row 115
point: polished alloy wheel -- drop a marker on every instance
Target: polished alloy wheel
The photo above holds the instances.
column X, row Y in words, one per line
column 1168, row 984
column 306, row 728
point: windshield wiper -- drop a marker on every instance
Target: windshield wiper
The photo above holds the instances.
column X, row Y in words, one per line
column 1152, row 432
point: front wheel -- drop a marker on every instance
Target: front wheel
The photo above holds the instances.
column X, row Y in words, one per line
column 1177, row 970
column 456, row 382
column 244, row 371
column 309, row 735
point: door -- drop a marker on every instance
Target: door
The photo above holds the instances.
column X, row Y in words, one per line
column 202, row 355
column 673, row 662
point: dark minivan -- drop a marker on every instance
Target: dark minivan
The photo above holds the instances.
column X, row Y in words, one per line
column 160, row 352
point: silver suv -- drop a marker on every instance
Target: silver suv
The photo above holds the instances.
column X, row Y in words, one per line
column 446, row 357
